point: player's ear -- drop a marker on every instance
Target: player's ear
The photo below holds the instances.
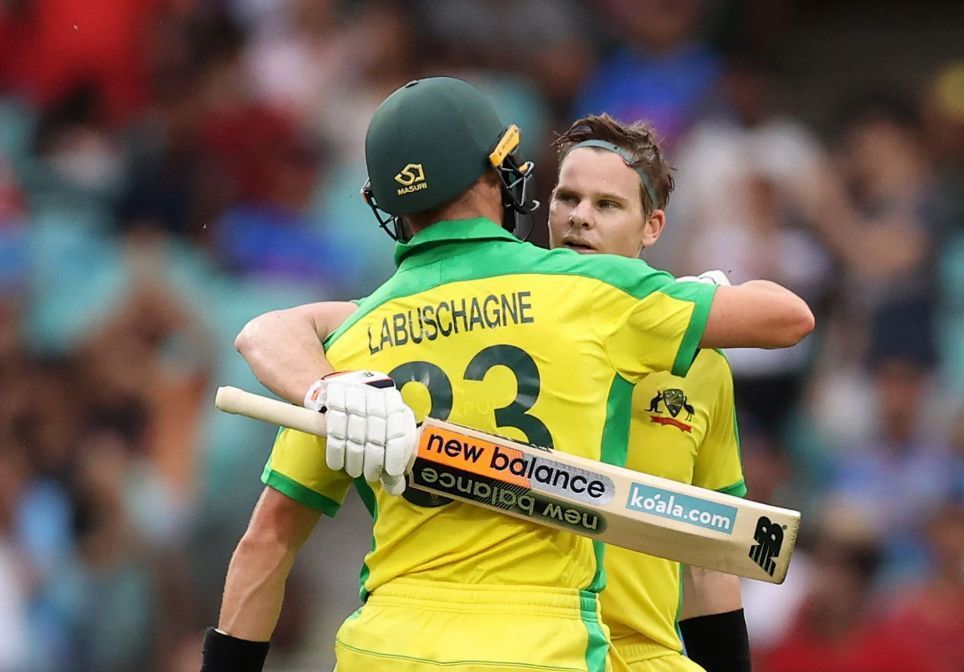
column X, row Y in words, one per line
column 653, row 227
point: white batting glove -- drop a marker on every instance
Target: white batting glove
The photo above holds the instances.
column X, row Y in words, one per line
column 707, row 277
column 371, row 431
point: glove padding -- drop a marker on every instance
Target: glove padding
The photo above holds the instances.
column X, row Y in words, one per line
column 371, row 431
column 715, row 277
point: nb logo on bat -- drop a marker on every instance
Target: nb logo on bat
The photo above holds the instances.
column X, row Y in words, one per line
column 769, row 540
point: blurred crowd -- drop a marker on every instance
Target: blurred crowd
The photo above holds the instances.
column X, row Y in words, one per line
column 171, row 168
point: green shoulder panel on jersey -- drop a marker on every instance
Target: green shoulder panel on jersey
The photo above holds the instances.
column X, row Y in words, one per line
column 615, row 449
column 371, row 503
column 619, row 413
column 475, row 249
column 597, row 643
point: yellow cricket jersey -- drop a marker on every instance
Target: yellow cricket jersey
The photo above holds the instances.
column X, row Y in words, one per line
column 683, row 429
column 542, row 346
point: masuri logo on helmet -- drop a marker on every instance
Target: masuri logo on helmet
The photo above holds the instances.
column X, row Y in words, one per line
column 412, row 178
column 444, row 128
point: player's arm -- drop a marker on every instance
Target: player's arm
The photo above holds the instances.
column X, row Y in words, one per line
column 712, row 621
column 284, row 347
column 756, row 314
column 668, row 325
column 254, row 587
column 285, row 350
column 706, row 592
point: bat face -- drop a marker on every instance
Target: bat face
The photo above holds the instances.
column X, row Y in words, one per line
column 637, row 511
column 675, row 506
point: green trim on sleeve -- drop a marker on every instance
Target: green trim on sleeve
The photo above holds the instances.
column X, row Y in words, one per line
column 301, row 494
column 738, row 489
column 702, row 301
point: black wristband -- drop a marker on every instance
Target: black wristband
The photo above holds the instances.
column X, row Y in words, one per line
column 224, row 653
column 718, row 642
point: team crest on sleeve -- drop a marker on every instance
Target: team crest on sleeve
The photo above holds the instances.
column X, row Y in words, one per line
column 673, row 401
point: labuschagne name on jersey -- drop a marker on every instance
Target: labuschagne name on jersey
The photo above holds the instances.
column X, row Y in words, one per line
column 449, row 317
column 674, row 401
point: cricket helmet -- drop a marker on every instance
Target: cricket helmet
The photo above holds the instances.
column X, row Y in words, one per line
column 431, row 140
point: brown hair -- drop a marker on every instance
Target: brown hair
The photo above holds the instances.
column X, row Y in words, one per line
column 638, row 139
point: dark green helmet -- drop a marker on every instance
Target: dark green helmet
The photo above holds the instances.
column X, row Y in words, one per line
column 430, row 141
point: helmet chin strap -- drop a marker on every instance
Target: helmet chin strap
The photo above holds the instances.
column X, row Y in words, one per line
column 516, row 180
column 517, row 208
column 390, row 224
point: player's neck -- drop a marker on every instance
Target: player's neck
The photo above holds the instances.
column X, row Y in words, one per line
column 480, row 200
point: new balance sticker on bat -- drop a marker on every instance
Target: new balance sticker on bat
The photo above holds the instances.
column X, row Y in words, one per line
column 769, row 540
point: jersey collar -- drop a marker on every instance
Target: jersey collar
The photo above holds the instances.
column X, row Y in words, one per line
column 451, row 231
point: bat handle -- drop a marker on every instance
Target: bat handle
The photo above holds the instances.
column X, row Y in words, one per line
column 237, row 401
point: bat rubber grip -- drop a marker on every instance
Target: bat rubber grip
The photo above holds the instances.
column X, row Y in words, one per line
column 237, row 401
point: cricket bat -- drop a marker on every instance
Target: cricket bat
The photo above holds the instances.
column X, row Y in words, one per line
column 618, row 506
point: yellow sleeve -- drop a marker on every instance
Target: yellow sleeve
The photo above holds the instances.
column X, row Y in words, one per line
column 718, row 466
column 297, row 468
column 659, row 332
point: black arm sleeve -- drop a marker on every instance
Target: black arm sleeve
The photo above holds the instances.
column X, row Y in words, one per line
column 718, row 642
column 224, row 653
